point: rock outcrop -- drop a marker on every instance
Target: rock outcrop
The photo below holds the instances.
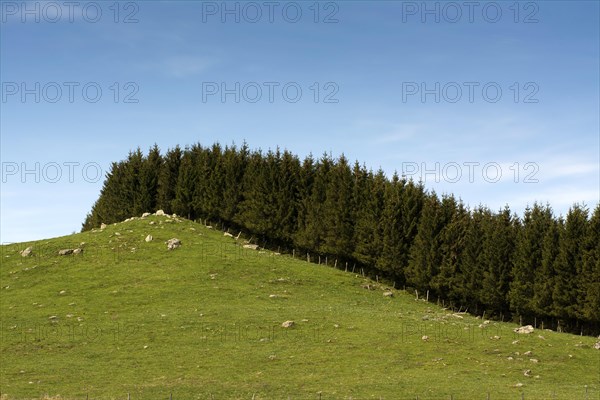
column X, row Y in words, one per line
column 172, row 244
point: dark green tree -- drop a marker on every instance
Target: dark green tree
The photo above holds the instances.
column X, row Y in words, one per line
column 149, row 174
column 167, row 180
column 425, row 254
column 338, row 213
column 528, row 259
column 183, row 204
column 590, row 277
column 496, row 260
column 568, row 265
column 450, row 282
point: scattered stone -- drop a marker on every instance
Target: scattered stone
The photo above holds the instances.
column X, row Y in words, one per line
column 495, row 337
column 304, row 320
column 509, row 358
column 368, row 287
column 53, row 317
column 527, row 353
column 62, row 292
column 251, row 246
column 149, row 238
column 117, row 234
column 160, row 213
column 77, row 250
column 27, row 252
column 527, row 372
column 425, row 338
column 272, row 357
column 102, row 227
column 534, row 360
column 146, row 214
column 288, row 324
column 524, row 329
column 208, row 227
column 541, row 337
column 519, row 384
column 388, row 294
column 227, row 234
column 515, row 342
column 597, row 346
column 273, row 296
column 152, row 222
column 172, row 244
column 65, row 252
column 145, row 347
column 486, row 322
column 336, row 326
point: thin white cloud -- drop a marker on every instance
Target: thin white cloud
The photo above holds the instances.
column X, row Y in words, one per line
column 184, row 66
column 389, row 132
column 563, row 169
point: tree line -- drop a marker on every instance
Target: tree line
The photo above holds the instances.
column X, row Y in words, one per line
column 540, row 268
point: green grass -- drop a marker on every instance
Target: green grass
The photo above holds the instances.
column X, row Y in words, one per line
column 199, row 322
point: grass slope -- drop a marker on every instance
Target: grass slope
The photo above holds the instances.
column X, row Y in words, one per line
column 128, row 316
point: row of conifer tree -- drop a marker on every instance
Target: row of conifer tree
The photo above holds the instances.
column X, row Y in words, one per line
column 539, row 267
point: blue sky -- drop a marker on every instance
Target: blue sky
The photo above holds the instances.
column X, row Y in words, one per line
column 498, row 103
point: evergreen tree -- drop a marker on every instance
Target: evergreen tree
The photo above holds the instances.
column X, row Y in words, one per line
column 258, row 208
column 450, row 282
column 425, row 255
column 528, row 259
column 413, row 200
column 337, row 212
column 314, row 231
column 568, row 265
column 543, row 284
column 183, row 204
column 472, row 269
column 286, row 178
column 214, row 178
column 131, row 185
column 305, row 186
column 369, row 193
column 496, row 260
column 392, row 234
column 107, row 208
column 234, row 167
column 149, row 175
column 590, row 278
column 543, row 280
column 167, row 180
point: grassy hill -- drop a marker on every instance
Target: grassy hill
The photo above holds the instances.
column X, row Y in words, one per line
column 204, row 322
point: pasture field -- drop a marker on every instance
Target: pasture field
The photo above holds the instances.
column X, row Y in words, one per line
column 204, row 321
